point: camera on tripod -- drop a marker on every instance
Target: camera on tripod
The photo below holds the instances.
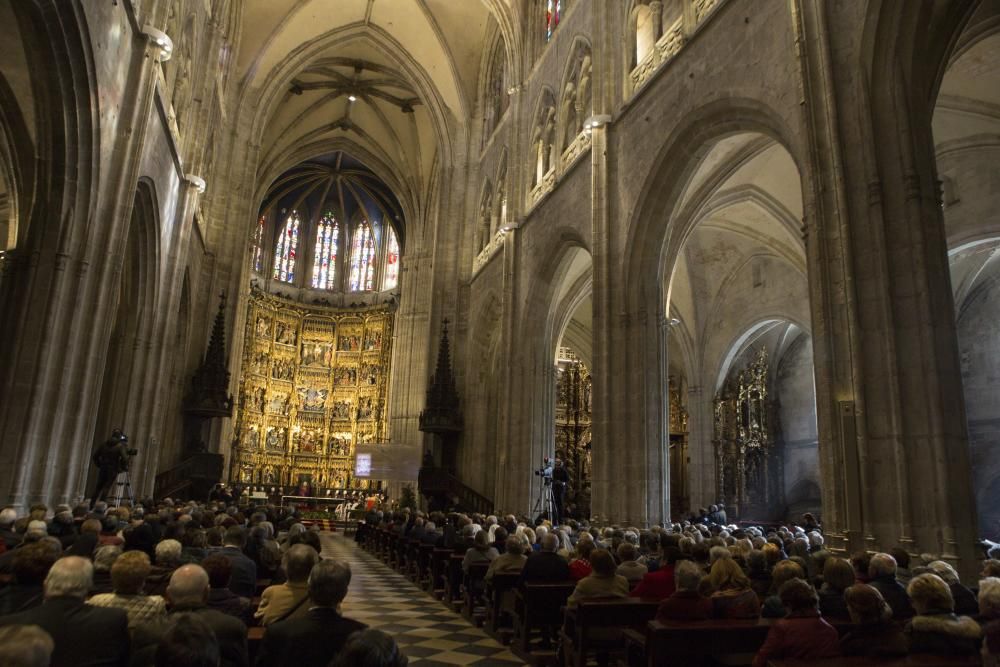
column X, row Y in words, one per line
column 545, row 472
column 124, row 441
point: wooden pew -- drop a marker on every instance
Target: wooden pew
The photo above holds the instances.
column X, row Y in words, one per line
column 538, row 609
column 473, row 589
column 500, row 601
column 683, row 644
column 424, row 553
column 439, row 571
column 908, row 661
column 590, row 627
column 453, row 581
column 413, row 559
column 254, row 637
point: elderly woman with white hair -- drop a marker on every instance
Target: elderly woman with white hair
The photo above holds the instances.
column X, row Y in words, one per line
column 965, row 600
column 936, row 628
column 989, row 618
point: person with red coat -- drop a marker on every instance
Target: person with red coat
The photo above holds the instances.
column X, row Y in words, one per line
column 659, row 584
column 802, row 634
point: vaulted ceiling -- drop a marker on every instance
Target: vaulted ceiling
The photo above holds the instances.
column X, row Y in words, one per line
column 392, row 81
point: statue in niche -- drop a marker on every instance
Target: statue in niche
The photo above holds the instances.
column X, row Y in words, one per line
column 341, row 410
column 285, row 333
column 253, row 438
column 344, row 376
column 569, row 113
column 365, row 409
column 263, row 327
column 371, row 374
column 373, row 340
column 583, row 104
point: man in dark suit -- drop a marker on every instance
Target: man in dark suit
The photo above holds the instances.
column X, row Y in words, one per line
column 187, row 593
column 244, row 577
column 83, row 635
column 317, row 637
column 546, row 565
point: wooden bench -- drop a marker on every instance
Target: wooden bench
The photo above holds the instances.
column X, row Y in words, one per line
column 908, row 661
column 473, row 591
column 538, row 609
column 499, row 596
column 690, row 643
column 424, row 553
column 254, row 637
column 453, row 581
column 590, row 626
column 439, row 569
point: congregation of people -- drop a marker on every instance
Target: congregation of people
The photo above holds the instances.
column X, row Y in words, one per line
column 177, row 584
column 893, row 605
column 174, row 584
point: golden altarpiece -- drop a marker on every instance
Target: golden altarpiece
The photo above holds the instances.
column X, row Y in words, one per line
column 748, row 460
column 573, row 428
column 573, row 434
column 313, row 386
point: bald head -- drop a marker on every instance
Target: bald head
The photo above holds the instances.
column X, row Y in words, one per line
column 550, row 542
column 188, row 585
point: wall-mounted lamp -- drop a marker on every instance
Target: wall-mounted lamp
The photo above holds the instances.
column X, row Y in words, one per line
column 673, row 321
column 352, row 98
column 198, row 182
column 161, row 39
column 597, row 121
column 509, row 227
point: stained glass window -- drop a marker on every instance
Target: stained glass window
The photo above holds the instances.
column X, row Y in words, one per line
column 553, row 9
column 391, row 276
column 362, row 259
column 325, row 255
column 258, row 246
column 285, row 249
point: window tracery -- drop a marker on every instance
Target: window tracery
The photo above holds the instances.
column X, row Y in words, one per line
column 553, row 12
column 543, row 139
column 496, row 99
column 390, row 277
column 577, row 104
column 286, row 248
column 362, row 277
column 324, row 274
column 258, row 245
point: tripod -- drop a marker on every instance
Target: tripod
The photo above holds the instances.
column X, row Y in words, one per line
column 545, row 503
column 122, row 490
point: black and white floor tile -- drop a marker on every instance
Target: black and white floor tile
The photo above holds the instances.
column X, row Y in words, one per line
column 427, row 632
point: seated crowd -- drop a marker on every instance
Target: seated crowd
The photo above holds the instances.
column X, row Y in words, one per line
column 174, row 584
column 700, row 570
column 177, row 584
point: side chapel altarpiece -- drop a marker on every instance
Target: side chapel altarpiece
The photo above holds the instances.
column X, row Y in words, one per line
column 313, row 386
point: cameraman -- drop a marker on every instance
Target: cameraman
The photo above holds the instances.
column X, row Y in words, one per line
column 110, row 458
column 560, row 485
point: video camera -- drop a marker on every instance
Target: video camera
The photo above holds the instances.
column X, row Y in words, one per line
column 122, row 438
column 545, row 472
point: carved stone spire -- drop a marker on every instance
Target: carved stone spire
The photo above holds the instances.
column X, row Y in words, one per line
column 442, row 412
column 209, row 395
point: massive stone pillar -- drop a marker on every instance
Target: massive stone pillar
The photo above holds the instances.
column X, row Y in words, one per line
column 894, row 455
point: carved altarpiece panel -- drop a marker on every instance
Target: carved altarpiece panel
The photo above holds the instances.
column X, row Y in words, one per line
column 313, row 385
column 573, row 428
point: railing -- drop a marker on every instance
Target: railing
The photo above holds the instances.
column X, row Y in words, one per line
column 437, row 481
column 191, row 478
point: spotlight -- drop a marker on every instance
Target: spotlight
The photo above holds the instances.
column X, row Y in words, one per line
column 352, row 98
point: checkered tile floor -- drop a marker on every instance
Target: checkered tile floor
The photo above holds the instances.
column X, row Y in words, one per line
column 427, row 632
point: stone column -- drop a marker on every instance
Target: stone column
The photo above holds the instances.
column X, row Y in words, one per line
column 894, row 452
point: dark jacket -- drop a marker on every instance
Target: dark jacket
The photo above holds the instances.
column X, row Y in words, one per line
column 832, row 603
column 244, row 578
column 879, row 640
column 314, row 639
column 84, row 635
column 230, row 632
column 17, row 598
column 684, row 606
column 943, row 633
column 895, row 595
column 545, row 566
column 802, row 636
column 231, row 604
column 735, row 604
column 965, row 600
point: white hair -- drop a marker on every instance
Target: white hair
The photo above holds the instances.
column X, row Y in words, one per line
column 71, row 576
column 945, row 571
column 7, row 516
column 815, row 539
column 989, row 596
column 168, row 551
